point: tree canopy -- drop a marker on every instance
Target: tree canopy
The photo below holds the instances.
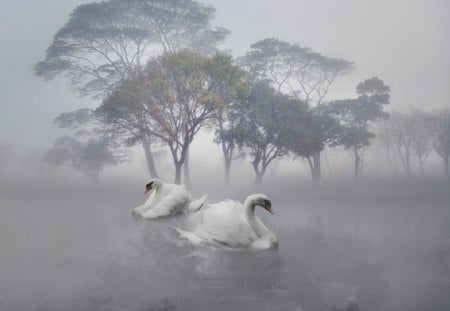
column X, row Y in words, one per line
column 176, row 95
column 102, row 41
column 294, row 69
column 266, row 122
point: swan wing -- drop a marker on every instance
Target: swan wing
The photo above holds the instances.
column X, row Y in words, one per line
column 151, row 201
column 173, row 203
column 196, row 205
column 224, row 223
column 191, row 237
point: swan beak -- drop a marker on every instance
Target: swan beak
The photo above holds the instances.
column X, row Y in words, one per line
column 268, row 207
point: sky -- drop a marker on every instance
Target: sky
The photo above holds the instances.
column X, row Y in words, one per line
column 404, row 42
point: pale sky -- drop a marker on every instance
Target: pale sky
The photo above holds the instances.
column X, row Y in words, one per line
column 406, row 43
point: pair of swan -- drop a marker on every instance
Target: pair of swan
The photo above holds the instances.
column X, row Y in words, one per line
column 227, row 224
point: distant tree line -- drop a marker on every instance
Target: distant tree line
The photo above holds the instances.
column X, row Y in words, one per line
column 162, row 79
column 416, row 134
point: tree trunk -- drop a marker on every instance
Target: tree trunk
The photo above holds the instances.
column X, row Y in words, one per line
column 227, row 170
column 311, row 167
column 258, row 179
column 447, row 172
column 187, row 173
column 408, row 165
column 258, row 173
column 316, row 174
column 178, row 167
column 146, row 144
column 357, row 161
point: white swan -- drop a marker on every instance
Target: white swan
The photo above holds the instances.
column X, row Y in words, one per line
column 229, row 224
column 166, row 200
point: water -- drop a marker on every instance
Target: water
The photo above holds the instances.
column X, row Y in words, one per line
column 76, row 247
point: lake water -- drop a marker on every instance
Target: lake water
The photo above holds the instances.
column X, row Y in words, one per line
column 78, row 248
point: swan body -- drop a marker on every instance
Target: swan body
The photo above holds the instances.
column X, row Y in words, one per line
column 233, row 225
column 167, row 199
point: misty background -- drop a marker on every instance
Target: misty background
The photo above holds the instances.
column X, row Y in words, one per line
column 404, row 42
column 68, row 241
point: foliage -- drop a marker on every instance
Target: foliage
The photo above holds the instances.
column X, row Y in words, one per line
column 265, row 124
column 89, row 158
column 301, row 72
column 294, row 69
column 102, row 41
column 234, row 95
column 174, row 97
column 355, row 115
column 91, row 150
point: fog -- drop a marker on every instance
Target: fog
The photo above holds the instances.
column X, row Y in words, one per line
column 405, row 43
column 71, row 246
column 70, row 242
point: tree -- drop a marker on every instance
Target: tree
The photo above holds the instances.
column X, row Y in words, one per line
column 264, row 126
column 410, row 133
column 422, row 143
column 89, row 157
column 179, row 94
column 308, row 133
column 90, row 150
column 121, row 112
column 356, row 115
column 441, row 138
column 298, row 71
column 294, row 69
column 103, row 42
column 234, row 90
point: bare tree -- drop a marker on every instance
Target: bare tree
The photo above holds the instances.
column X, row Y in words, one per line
column 400, row 130
column 422, row 140
column 384, row 140
column 410, row 134
column 441, row 138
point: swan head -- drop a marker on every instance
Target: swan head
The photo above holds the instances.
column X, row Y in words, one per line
column 260, row 200
column 154, row 184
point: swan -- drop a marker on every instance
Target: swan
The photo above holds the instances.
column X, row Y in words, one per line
column 167, row 199
column 229, row 224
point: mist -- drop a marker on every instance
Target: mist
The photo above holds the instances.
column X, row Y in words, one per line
column 367, row 226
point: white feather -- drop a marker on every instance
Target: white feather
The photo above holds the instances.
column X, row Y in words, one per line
column 168, row 199
column 229, row 224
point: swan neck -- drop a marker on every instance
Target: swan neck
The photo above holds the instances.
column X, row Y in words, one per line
column 251, row 218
